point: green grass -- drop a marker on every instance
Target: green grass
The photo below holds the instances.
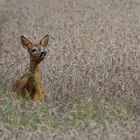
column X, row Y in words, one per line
column 20, row 113
column 85, row 112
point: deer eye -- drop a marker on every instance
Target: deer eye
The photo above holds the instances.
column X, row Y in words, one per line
column 34, row 50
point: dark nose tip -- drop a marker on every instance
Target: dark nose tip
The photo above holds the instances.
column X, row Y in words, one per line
column 43, row 53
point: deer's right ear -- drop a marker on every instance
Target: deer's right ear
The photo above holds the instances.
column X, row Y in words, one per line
column 25, row 42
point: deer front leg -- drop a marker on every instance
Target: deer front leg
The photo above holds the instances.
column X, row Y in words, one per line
column 38, row 95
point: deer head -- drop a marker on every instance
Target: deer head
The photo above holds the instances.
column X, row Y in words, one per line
column 38, row 51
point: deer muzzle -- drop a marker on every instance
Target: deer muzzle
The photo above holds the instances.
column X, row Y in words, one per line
column 43, row 54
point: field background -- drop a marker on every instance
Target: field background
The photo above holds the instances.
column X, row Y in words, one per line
column 92, row 69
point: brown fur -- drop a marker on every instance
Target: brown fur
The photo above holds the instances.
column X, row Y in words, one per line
column 30, row 84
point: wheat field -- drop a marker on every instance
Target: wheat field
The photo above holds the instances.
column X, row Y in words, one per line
column 93, row 65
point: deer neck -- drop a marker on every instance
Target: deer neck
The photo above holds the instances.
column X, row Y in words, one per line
column 35, row 72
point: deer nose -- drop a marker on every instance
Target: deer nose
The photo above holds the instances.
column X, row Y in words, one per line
column 43, row 53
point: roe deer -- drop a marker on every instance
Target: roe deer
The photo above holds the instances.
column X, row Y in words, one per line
column 30, row 84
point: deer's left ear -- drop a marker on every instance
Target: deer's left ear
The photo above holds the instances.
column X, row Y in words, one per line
column 44, row 41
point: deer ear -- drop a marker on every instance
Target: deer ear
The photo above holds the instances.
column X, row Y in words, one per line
column 44, row 41
column 25, row 42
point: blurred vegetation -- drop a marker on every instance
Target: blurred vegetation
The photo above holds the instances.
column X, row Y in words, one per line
column 85, row 114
